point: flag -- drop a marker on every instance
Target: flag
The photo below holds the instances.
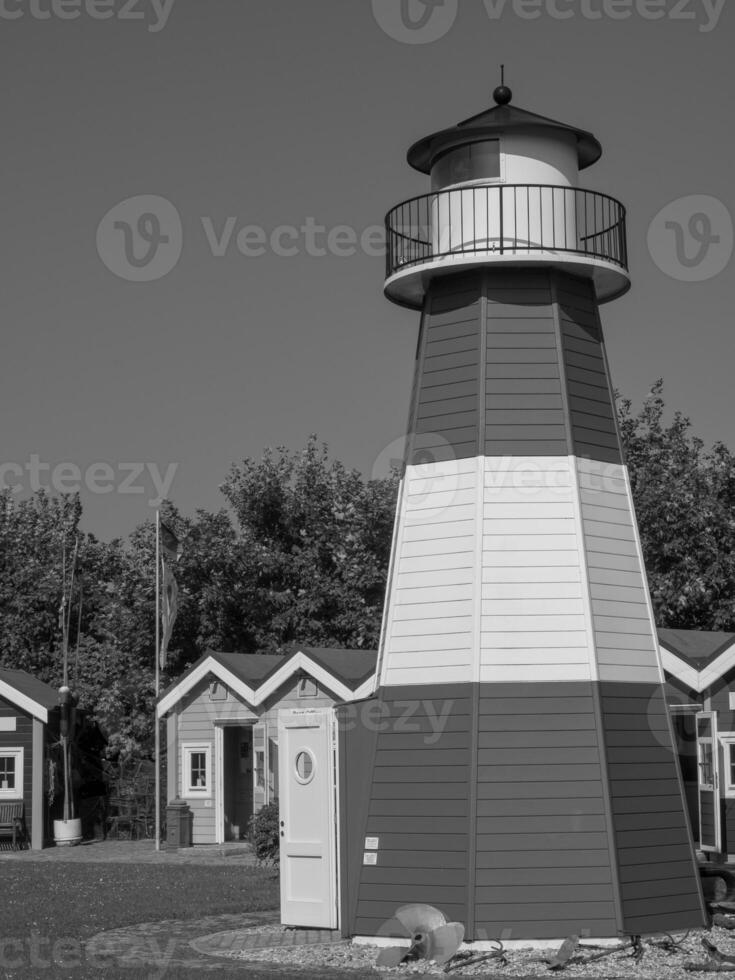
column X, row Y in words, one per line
column 169, row 609
column 171, row 547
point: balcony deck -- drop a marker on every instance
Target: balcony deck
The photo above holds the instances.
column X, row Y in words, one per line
column 581, row 231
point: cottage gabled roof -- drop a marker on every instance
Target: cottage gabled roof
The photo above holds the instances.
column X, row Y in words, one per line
column 249, row 667
column 28, row 693
column 697, row 657
column 352, row 667
column 696, row 647
column 255, row 676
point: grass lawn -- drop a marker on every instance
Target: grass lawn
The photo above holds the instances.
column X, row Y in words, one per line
column 47, row 911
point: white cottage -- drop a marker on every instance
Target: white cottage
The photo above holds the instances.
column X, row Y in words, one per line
column 222, row 727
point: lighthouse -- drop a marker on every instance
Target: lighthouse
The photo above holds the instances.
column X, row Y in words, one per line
column 515, row 766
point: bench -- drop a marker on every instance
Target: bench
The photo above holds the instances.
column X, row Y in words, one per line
column 12, row 823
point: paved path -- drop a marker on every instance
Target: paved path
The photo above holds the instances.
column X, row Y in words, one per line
column 239, row 939
column 163, row 947
column 166, row 945
column 137, row 852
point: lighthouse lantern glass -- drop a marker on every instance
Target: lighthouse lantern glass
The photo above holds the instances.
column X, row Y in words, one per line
column 474, row 161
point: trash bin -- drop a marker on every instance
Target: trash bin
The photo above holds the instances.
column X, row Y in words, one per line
column 178, row 824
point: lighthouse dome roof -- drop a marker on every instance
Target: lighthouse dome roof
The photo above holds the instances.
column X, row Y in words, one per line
column 493, row 122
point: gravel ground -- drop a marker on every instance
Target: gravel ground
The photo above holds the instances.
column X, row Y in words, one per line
column 655, row 964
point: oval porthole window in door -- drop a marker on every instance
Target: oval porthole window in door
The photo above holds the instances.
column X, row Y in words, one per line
column 304, row 766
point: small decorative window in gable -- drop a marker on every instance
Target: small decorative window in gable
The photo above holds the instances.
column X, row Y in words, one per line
column 217, row 691
column 308, row 688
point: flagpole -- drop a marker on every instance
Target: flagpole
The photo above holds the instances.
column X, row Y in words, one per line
column 158, row 681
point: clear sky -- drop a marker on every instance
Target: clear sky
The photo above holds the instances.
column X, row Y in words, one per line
column 281, row 112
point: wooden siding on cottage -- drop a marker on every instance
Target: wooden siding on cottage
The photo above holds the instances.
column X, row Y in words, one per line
column 197, row 715
column 719, row 695
column 21, row 738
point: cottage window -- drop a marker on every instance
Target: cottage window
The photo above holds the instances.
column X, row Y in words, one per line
column 304, row 765
column 259, row 772
column 272, row 769
column 11, row 773
column 308, row 688
column 706, row 778
column 706, row 752
column 197, row 769
column 217, row 691
column 728, row 745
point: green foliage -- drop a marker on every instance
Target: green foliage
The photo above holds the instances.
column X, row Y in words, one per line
column 685, row 504
column 32, row 533
column 264, row 835
column 314, row 546
column 301, row 556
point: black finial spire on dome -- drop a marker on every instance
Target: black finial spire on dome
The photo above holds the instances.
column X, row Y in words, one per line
column 502, row 93
column 501, row 118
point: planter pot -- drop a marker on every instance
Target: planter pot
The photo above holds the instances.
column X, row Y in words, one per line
column 67, row 832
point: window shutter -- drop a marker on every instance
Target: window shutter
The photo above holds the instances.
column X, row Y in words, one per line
column 259, row 783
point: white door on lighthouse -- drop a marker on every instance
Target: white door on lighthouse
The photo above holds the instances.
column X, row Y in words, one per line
column 307, row 818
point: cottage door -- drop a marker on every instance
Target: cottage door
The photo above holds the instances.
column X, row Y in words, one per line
column 710, row 828
column 307, row 818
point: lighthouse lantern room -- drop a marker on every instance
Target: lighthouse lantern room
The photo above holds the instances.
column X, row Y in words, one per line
column 515, row 766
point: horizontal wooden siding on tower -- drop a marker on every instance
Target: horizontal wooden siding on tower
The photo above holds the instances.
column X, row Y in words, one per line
column 543, row 850
column 444, row 422
column 533, row 624
column 429, row 627
column 524, row 412
column 651, row 834
column 418, row 805
column 591, row 407
column 624, row 634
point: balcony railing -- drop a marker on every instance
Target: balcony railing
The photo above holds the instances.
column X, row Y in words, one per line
column 506, row 219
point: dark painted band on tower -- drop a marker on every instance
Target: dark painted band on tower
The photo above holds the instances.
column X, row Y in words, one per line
column 647, row 809
column 541, row 826
column 511, row 317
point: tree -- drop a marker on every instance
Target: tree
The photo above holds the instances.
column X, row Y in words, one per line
column 301, row 557
column 110, row 612
column 314, row 546
column 684, row 498
column 33, row 534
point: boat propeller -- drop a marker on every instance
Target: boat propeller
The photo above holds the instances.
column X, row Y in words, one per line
column 432, row 937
